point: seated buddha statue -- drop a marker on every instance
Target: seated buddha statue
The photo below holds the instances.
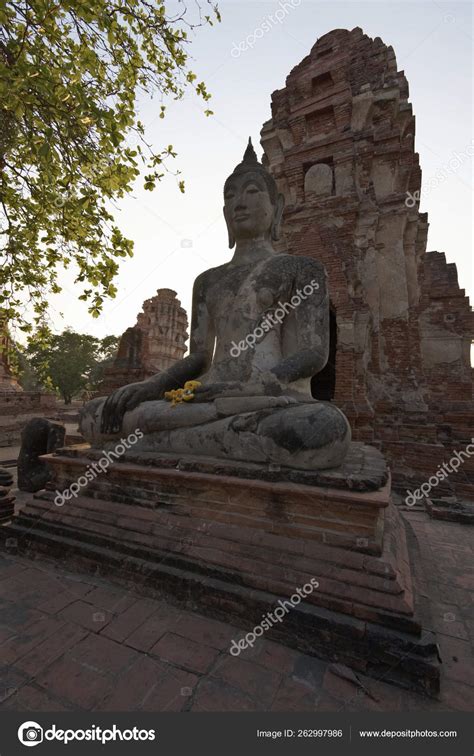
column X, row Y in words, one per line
column 259, row 333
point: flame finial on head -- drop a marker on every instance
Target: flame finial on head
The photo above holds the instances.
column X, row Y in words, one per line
column 250, row 155
column 251, row 165
column 250, row 162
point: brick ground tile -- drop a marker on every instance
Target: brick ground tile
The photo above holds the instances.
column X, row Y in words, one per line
column 325, row 702
column 76, row 682
column 293, row 695
column 73, row 592
column 46, row 652
column 469, row 625
column 150, row 685
column 32, row 585
column 456, row 696
column 272, row 656
column 204, row 630
column 115, row 601
column 446, row 593
column 458, row 663
column 17, row 617
column 448, row 620
column 30, row 698
column 131, row 689
column 465, row 581
column 414, row 702
column 384, row 697
column 9, row 567
column 31, row 590
column 11, row 680
column 16, row 647
column 87, row 615
column 215, row 695
column 338, row 688
column 173, row 692
column 309, row 671
column 103, row 654
column 465, row 599
column 257, row 682
column 145, row 636
column 132, row 618
column 6, row 633
column 196, row 657
column 302, row 689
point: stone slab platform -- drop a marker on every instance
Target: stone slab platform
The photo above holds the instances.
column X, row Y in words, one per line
column 364, row 468
column 236, row 561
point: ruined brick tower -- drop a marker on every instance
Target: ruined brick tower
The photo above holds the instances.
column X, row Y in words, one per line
column 8, row 381
column 340, row 145
column 156, row 342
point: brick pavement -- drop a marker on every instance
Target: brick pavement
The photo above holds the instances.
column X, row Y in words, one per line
column 73, row 641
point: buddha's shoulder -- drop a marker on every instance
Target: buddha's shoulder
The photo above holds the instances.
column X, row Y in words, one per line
column 210, row 276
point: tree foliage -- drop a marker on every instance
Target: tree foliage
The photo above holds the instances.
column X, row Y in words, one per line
column 69, row 362
column 70, row 75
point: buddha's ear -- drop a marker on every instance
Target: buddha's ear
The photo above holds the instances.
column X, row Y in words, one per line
column 229, row 231
column 278, row 212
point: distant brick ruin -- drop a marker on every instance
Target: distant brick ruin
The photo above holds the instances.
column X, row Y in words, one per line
column 340, row 144
column 8, row 381
column 156, row 341
column 17, row 407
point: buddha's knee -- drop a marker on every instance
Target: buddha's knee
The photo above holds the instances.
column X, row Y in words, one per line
column 307, row 427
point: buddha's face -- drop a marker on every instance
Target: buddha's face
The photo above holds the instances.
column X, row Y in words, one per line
column 248, row 209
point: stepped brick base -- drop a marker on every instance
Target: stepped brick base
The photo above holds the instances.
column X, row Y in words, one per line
column 234, row 547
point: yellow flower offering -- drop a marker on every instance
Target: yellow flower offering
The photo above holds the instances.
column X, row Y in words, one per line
column 186, row 394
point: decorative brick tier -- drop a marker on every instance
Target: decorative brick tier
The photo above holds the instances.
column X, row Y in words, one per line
column 234, row 547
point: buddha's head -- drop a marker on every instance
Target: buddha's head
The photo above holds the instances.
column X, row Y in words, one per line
column 252, row 204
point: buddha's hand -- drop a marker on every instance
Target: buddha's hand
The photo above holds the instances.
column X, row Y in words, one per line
column 266, row 385
column 269, row 384
column 209, row 392
column 125, row 399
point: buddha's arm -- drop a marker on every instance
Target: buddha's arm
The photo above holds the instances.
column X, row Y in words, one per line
column 190, row 367
column 306, row 328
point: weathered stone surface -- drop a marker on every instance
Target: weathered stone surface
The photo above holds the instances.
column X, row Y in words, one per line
column 260, row 331
column 363, row 469
column 399, row 351
column 38, row 437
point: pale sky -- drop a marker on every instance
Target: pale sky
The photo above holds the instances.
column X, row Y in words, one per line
column 178, row 236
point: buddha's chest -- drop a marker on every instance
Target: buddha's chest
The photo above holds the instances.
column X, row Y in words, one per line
column 242, row 296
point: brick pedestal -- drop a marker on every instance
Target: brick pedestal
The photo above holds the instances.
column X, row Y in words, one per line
column 234, row 547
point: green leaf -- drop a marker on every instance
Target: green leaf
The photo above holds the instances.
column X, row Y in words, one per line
column 69, row 112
